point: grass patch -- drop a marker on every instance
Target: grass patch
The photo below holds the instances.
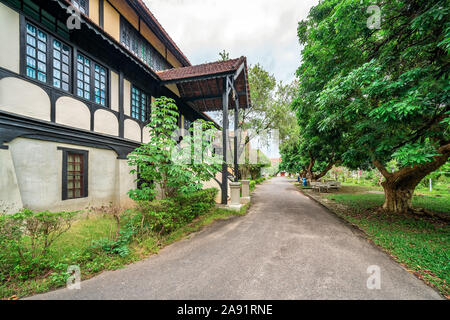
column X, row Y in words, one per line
column 421, row 244
column 363, row 201
column 73, row 248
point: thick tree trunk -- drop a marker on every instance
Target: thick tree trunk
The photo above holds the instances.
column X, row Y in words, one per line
column 397, row 199
column 309, row 172
column 399, row 186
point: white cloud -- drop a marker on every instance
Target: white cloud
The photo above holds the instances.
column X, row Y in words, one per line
column 263, row 30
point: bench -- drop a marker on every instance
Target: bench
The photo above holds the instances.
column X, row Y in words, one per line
column 319, row 186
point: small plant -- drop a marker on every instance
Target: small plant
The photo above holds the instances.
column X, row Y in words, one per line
column 115, row 212
column 154, row 164
column 34, row 232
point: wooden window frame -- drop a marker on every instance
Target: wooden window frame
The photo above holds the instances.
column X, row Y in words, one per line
column 50, row 69
column 93, row 63
column 85, row 155
column 148, row 106
column 74, row 49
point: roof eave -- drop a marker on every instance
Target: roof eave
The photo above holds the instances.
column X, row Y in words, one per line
column 198, row 78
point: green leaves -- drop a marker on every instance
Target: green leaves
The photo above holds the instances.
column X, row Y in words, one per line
column 165, row 165
column 383, row 93
column 415, row 153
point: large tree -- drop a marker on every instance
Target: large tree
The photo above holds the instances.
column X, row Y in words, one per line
column 384, row 90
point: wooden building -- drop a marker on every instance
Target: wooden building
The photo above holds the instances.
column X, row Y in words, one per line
column 75, row 99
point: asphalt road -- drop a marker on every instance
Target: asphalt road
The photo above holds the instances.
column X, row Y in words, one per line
column 287, row 247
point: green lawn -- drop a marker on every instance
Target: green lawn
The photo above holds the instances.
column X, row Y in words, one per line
column 438, row 189
column 422, row 244
column 74, row 248
column 362, row 201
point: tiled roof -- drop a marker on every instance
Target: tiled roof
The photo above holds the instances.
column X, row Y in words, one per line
column 202, row 85
column 212, row 68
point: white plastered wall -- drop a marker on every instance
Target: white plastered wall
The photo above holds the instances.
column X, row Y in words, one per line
column 10, row 199
column 38, row 168
column 72, row 112
column 24, row 98
column 106, row 122
column 132, row 130
column 9, row 38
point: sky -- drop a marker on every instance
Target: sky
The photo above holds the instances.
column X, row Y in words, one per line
column 265, row 31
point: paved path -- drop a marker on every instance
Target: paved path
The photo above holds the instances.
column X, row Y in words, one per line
column 287, row 247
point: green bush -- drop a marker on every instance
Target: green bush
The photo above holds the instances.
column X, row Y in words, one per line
column 252, row 185
column 259, row 180
column 26, row 238
column 165, row 216
column 158, row 217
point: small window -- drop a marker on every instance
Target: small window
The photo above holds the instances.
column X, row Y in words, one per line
column 140, row 105
column 36, row 53
column 100, row 85
column 82, row 5
column 83, row 77
column 61, row 65
column 91, row 80
column 75, row 174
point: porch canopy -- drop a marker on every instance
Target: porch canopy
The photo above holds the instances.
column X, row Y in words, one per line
column 221, row 85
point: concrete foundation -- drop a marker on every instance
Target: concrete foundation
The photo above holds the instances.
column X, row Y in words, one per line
column 235, row 203
column 245, row 191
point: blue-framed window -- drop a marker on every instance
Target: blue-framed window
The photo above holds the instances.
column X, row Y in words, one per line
column 140, row 104
column 61, row 65
column 47, row 59
column 83, row 77
column 100, row 85
column 36, row 53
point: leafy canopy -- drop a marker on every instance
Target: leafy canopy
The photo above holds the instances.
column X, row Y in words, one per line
column 385, row 91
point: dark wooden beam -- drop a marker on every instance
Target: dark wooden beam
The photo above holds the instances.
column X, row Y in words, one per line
column 225, row 127
column 204, row 77
column 208, row 97
column 236, row 130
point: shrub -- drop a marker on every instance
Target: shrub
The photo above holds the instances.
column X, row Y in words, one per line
column 158, row 217
column 165, row 216
column 260, row 180
column 26, row 237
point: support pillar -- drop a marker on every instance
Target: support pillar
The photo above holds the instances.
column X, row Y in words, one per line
column 225, row 127
column 236, row 130
column 245, row 191
column 235, row 203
